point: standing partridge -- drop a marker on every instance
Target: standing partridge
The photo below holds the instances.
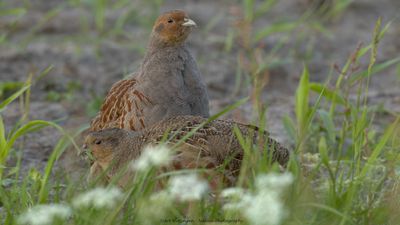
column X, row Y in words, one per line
column 212, row 146
column 168, row 82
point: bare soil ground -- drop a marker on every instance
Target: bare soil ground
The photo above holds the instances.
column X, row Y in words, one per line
column 85, row 67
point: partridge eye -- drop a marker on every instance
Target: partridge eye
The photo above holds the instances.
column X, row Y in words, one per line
column 97, row 142
column 170, row 21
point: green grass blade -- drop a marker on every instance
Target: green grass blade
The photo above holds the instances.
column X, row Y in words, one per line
column 380, row 146
column 275, row 28
column 100, row 7
column 302, row 108
column 375, row 69
column 3, row 141
column 29, row 127
column 13, row 12
column 323, row 150
column 328, row 209
column 248, row 6
column 14, row 96
column 58, row 150
column 264, row 7
column 328, row 94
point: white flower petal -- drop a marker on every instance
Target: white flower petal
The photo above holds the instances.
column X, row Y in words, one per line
column 232, row 192
column 187, row 187
column 273, row 181
column 152, row 156
column 265, row 209
column 263, row 206
column 98, row 198
column 44, row 214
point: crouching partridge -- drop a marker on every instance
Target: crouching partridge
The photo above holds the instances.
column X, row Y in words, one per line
column 212, row 146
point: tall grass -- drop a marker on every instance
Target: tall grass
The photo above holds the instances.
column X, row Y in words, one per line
column 21, row 193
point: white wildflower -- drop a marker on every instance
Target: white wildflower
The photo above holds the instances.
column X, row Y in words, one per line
column 232, row 192
column 265, row 209
column 161, row 196
column 263, row 206
column 310, row 158
column 157, row 207
column 99, row 198
column 237, row 198
column 152, row 156
column 45, row 214
column 273, row 181
column 187, row 187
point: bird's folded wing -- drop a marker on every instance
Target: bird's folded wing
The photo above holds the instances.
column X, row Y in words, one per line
column 122, row 108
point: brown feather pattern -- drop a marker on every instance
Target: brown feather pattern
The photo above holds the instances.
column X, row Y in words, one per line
column 213, row 146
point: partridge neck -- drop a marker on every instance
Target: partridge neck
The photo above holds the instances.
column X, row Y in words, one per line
column 158, row 44
column 159, row 52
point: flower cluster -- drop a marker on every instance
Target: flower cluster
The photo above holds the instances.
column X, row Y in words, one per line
column 187, row 187
column 98, row 198
column 45, row 214
column 263, row 206
column 152, row 156
column 181, row 188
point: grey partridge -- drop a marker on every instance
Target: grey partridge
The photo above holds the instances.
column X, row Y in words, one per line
column 212, row 146
column 168, row 82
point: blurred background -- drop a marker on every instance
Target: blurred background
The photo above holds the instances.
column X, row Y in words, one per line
column 74, row 50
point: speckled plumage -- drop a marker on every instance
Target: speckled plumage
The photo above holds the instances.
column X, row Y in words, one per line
column 209, row 147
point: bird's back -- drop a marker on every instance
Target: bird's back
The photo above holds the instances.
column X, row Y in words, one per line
column 213, row 145
column 217, row 138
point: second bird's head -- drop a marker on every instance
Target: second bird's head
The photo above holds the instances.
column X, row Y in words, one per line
column 172, row 27
column 101, row 144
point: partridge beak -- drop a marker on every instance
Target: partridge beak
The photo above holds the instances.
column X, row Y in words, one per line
column 188, row 23
column 84, row 151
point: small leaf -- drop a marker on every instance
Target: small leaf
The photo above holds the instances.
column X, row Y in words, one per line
column 375, row 69
column 248, row 6
column 13, row 97
column 389, row 132
column 323, row 150
column 328, row 94
column 3, row 140
column 302, row 107
column 13, row 12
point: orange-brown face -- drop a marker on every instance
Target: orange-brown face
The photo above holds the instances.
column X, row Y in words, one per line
column 173, row 27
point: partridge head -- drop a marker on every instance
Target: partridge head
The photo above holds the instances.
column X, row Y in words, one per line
column 172, row 28
column 111, row 152
column 101, row 144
